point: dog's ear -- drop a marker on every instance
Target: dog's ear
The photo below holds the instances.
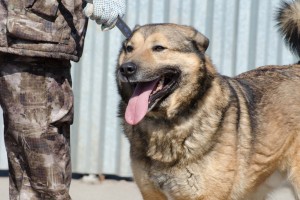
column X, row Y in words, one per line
column 199, row 40
column 136, row 27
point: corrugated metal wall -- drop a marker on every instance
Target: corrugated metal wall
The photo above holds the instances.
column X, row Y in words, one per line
column 242, row 36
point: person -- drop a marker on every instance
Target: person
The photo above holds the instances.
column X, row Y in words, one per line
column 38, row 39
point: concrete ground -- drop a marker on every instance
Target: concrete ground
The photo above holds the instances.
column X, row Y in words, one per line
column 90, row 189
column 83, row 190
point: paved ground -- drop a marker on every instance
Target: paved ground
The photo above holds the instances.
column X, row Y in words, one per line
column 80, row 190
column 90, row 189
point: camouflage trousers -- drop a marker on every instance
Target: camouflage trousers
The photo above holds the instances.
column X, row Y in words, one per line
column 37, row 102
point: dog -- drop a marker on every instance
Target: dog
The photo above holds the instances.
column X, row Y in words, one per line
column 198, row 135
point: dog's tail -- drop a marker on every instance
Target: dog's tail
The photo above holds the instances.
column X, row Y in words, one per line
column 288, row 21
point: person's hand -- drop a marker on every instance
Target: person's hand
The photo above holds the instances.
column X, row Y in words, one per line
column 105, row 12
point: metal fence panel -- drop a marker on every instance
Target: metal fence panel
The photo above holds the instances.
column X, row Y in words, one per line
column 242, row 36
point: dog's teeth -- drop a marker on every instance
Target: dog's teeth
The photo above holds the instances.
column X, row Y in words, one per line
column 160, row 86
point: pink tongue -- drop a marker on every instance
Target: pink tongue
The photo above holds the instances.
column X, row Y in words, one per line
column 138, row 103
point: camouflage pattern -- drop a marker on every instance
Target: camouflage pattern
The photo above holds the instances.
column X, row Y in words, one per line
column 37, row 100
column 41, row 28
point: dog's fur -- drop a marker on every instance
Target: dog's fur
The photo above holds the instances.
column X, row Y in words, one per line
column 209, row 136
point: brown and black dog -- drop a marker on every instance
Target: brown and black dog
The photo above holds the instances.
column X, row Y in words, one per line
column 196, row 134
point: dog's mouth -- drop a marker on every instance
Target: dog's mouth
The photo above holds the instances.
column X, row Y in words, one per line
column 148, row 94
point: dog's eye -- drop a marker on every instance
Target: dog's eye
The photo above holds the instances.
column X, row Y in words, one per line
column 158, row 48
column 129, row 48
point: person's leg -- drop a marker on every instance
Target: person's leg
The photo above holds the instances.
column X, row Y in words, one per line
column 37, row 102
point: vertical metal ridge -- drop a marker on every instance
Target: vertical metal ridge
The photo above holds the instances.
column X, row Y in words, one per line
column 234, row 61
column 208, row 24
column 167, row 11
column 253, row 35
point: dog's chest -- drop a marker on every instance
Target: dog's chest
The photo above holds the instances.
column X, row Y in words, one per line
column 176, row 183
column 193, row 181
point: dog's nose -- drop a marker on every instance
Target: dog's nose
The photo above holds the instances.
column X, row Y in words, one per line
column 128, row 69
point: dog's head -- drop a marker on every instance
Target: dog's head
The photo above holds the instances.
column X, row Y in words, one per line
column 162, row 69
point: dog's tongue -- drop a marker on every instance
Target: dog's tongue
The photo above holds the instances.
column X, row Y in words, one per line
column 138, row 103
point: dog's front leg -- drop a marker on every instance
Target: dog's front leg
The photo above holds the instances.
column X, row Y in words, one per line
column 147, row 188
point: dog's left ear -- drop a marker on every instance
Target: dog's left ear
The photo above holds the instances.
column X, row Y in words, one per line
column 136, row 27
column 200, row 41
